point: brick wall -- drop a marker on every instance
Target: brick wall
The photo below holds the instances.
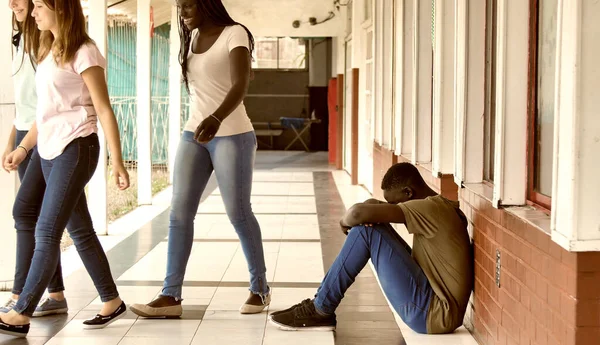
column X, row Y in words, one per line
column 383, row 159
column 547, row 295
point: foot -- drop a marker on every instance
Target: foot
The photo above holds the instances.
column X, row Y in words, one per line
column 256, row 303
column 6, row 307
column 101, row 321
column 162, row 307
column 50, row 306
column 303, row 317
column 14, row 324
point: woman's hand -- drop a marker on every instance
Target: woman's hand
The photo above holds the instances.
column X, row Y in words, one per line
column 121, row 175
column 207, row 130
column 13, row 159
column 5, row 154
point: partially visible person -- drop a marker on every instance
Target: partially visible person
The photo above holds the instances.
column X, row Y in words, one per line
column 26, row 41
column 428, row 286
column 72, row 97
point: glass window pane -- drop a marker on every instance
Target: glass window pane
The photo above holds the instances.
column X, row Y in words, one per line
column 544, row 136
column 265, row 52
column 369, row 44
column 490, row 91
column 292, row 53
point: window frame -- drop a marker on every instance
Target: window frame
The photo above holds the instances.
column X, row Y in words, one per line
column 306, row 57
column 534, row 198
column 489, row 125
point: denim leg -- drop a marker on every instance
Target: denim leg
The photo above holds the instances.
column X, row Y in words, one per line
column 26, row 209
column 233, row 159
column 66, row 177
column 191, row 173
column 403, row 282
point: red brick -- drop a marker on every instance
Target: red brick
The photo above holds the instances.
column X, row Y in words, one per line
column 560, row 274
column 588, row 262
column 542, row 241
column 525, row 252
column 516, row 225
column 509, row 324
column 522, row 271
column 559, row 327
column 587, row 336
column 572, row 284
column 588, row 313
column 555, row 251
column 530, row 281
column 524, row 339
column 536, row 260
column 554, row 297
column 570, row 259
column 541, row 334
column 541, row 288
column 553, row 341
column 588, row 285
column 571, row 337
column 531, row 233
column 568, row 309
column 509, row 263
column 526, row 299
column 501, row 338
column 547, row 268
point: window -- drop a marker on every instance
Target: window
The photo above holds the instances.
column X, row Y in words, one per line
column 279, row 53
column 489, row 121
column 541, row 100
column 349, row 21
column 368, row 10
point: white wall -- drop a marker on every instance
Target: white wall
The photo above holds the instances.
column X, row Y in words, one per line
column 8, row 182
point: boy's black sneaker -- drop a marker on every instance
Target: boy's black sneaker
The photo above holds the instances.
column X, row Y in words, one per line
column 303, row 317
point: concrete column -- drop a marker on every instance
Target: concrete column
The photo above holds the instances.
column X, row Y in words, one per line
column 174, row 91
column 97, row 200
column 144, row 105
column 8, row 182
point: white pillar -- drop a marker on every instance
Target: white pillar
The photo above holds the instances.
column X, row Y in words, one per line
column 575, row 216
column 422, row 63
column 97, row 200
column 144, row 116
column 174, row 91
column 8, row 182
column 443, row 85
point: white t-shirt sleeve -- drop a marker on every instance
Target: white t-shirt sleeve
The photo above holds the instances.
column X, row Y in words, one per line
column 238, row 37
column 88, row 56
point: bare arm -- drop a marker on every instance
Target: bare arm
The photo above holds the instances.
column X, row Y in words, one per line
column 373, row 214
column 30, row 140
column 239, row 65
column 96, row 82
column 11, row 140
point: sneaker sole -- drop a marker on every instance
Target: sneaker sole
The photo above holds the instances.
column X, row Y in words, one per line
column 51, row 312
column 301, row 329
column 154, row 316
column 106, row 324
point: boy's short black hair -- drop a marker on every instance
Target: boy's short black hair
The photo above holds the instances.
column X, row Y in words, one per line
column 402, row 175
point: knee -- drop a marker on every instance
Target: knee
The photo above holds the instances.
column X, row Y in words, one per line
column 239, row 214
column 24, row 213
column 180, row 214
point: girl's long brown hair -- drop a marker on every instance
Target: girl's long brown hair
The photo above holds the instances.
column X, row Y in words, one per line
column 71, row 32
column 29, row 35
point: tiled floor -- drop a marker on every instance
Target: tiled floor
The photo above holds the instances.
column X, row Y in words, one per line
column 298, row 202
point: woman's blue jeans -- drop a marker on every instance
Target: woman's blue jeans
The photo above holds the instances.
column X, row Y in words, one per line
column 232, row 159
column 64, row 202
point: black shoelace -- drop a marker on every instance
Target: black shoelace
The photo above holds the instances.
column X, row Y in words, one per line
column 304, row 309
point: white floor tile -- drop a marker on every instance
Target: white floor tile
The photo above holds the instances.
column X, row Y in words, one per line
column 133, row 294
column 235, row 315
column 284, row 298
column 171, row 340
column 196, row 292
column 274, row 336
column 158, row 328
column 208, row 334
column 228, row 298
column 99, row 340
column 75, row 329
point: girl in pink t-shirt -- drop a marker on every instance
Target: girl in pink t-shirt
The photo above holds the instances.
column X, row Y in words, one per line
column 72, row 97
